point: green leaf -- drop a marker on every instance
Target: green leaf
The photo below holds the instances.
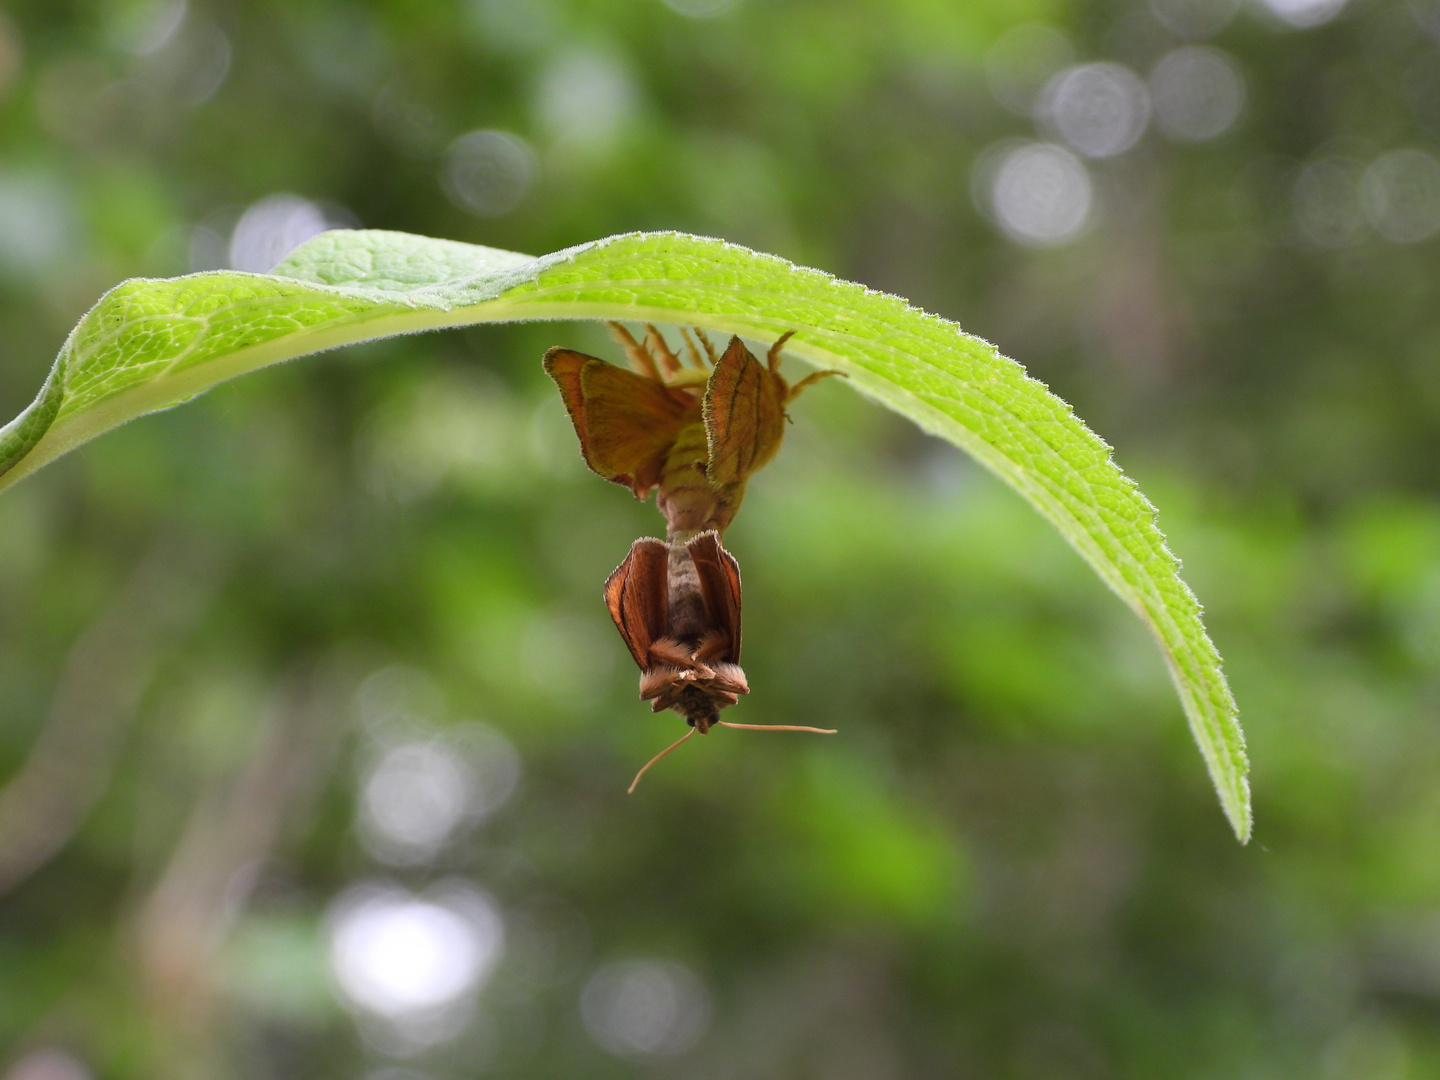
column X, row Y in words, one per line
column 150, row 344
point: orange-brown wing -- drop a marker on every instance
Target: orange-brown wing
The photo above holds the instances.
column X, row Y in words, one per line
column 626, row 423
column 638, row 596
column 744, row 412
column 720, row 586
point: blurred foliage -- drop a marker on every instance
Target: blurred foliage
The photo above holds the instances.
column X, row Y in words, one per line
column 1009, row 863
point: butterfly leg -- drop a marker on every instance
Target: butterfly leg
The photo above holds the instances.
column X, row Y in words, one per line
column 811, row 380
column 640, row 359
column 693, row 352
column 773, row 356
column 655, row 342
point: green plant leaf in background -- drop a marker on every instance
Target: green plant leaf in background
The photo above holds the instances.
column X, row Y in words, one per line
column 150, row 344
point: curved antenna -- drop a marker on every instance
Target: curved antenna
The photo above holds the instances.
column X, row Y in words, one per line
column 631, row 789
column 775, row 727
column 725, row 723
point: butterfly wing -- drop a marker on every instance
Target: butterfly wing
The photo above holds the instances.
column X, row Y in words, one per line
column 720, row 586
column 626, row 423
column 744, row 411
column 638, row 596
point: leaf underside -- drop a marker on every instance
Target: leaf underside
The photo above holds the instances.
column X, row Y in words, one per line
column 152, row 343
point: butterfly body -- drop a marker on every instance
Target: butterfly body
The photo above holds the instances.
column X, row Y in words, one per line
column 690, row 501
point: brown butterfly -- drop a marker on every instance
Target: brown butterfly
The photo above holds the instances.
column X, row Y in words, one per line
column 697, row 434
column 678, row 608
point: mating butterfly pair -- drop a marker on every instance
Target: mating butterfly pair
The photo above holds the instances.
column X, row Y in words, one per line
column 696, row 433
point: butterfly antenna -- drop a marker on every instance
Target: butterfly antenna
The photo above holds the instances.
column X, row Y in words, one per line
column 631, row 789
column 773, row 727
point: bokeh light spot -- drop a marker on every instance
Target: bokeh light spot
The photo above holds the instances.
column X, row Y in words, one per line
column 523, row 27
column 36, row 223
column 191, row 66
column 1194, row 19
column 1099, row 110
column 1022, row 61
column 1198, row 93
column 1039, row 194
column 1400, row 193
column 399, row 955
column 488, row 173
column 1304, row 14
column 584, row 99
column 413, row 799
column 397, row 698
column 405, row 121
column 417, row 796
column 48, row 1063
column 645, row 1008
column 1326, row 198
column 272, row 228
column 142, row 27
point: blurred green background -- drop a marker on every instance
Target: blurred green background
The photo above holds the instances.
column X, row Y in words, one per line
column 314, row 733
